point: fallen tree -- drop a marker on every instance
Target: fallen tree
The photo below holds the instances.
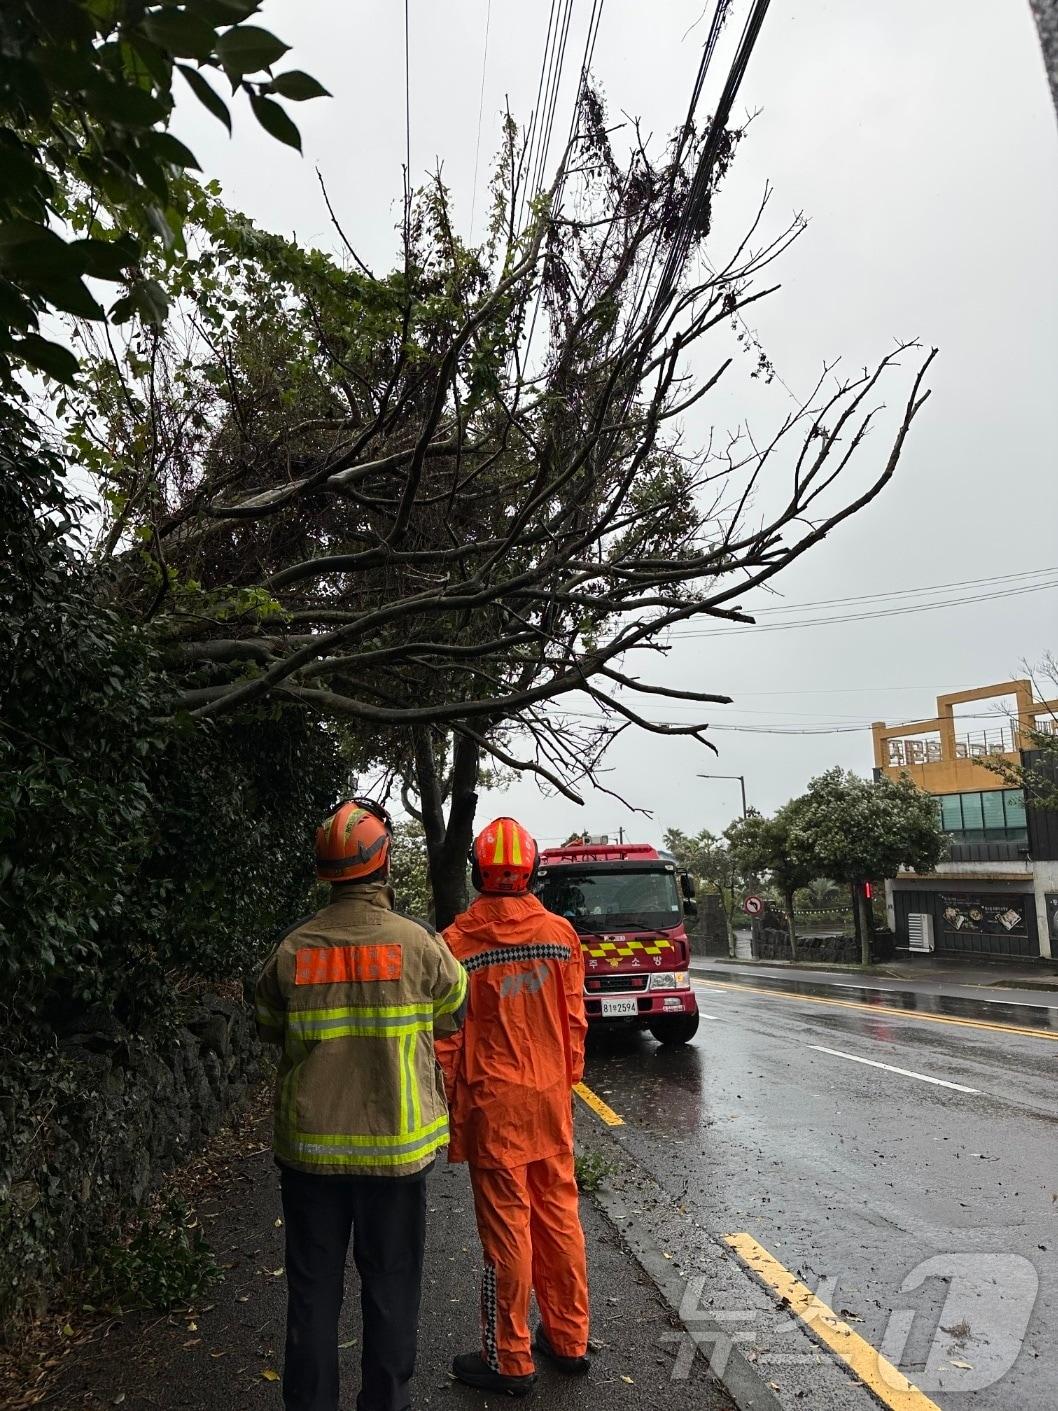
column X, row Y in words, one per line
column 446, row 500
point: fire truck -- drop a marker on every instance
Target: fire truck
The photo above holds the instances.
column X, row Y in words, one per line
column 627, row 902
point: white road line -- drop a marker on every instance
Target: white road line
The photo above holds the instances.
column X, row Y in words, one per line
column 904, row 1072
column 702, row 1015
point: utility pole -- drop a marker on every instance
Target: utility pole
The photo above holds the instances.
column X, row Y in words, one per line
column 731, row 945
column 742, row 781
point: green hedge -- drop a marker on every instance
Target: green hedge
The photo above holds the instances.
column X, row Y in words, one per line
column 138, row 855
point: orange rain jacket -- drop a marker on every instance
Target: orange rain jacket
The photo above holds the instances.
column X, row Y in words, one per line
column 509, row 1071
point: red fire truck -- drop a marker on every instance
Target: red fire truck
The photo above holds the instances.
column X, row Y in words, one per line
column 627, row 901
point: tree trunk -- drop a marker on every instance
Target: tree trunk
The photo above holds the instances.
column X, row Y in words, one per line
column 863, row 923
column 791, row 923
column 447, row 839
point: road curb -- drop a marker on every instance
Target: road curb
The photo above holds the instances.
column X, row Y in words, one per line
column 739, row 1378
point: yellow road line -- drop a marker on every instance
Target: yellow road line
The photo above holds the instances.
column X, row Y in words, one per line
column 888, row 1009
column 592, row 1100
column 876, row 1373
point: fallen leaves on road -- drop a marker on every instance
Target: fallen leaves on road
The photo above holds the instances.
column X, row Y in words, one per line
column 270, row 1375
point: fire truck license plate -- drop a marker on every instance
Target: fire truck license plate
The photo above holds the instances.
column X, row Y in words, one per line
column 619, row 1008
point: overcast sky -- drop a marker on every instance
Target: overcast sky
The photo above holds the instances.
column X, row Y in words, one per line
column 919, row 139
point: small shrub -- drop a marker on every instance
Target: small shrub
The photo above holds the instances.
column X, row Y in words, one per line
column 592, row 1170
column 166, row 1264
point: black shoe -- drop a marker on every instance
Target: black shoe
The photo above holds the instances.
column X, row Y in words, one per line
column 471, row 1368
column 572, row 1366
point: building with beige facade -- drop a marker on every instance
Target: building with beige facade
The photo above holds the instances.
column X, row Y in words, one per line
column 996, row 892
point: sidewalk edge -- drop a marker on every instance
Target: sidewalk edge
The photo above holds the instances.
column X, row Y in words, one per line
column 740, row 1380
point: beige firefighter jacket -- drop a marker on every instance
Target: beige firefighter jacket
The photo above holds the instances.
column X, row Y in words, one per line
column 355, row 996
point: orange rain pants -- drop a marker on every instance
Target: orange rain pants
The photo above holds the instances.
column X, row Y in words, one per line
column 531, row 1238
column 508, row 1075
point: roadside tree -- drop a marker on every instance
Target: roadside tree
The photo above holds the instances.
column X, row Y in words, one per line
column 857, row 831
column 761, row 847
column 86, row 95
column 439, row 502
column 714, row 867
column 1039, row 777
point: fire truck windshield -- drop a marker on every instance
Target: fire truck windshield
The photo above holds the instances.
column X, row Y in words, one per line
column 607, row 900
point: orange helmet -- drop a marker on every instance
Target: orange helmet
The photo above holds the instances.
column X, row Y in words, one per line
column 354, row 842
column 504, row 857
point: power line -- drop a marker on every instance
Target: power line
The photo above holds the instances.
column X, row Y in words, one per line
column 823, row 727
column 694, row 216
column 907, row 592
column 481, row 113
column 869, row 616
column 407, row 118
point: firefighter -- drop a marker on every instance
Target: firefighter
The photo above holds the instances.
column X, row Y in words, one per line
column 356, row 996
column 508, row 1074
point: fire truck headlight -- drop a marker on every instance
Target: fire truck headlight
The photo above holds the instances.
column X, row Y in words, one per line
column 670, row 980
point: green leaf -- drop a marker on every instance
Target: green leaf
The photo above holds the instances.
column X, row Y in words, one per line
column 156, row 61
column 34, row 253
column 50, row 358
column 24, row 232
column 274, row 120
column 127, row 104
column 248, row 48
column 149, row 172
column 27, row 80
column 105, row 13
column 105, row 259
column 171, row 149
column 181, row 32
column 236, row 9
column 151, row 301
column 72, row 296
column 205, row 94
column 297, row 86
column 156, row 219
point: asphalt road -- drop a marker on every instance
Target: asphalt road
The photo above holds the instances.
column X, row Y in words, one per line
column 894, row 1149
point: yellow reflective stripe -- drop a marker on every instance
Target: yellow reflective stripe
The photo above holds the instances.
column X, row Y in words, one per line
column 363, row 1030
column 497, row 852
column 373, row 1011
column 356, row 1160
column 416, row 1105
column 516, row 848
column 403, row 1095
column 361, row 1139
column 455, row 996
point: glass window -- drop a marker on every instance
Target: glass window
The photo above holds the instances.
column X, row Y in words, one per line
column 609, row 899
column 1014, row 803
column 992, row 807
column 972, row 811
column 951, row 813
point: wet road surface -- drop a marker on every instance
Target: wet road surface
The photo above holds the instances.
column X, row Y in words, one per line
column 892, row 1148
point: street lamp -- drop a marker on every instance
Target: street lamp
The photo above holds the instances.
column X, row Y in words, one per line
column 741, row 779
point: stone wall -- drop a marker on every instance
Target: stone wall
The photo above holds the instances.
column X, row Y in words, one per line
column 88, row 1130
column 770, row 943
column 707, row 932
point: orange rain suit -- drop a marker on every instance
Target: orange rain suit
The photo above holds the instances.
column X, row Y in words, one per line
column 508, row 1074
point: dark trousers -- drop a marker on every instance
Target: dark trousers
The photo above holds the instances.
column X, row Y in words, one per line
column 387, row 1221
